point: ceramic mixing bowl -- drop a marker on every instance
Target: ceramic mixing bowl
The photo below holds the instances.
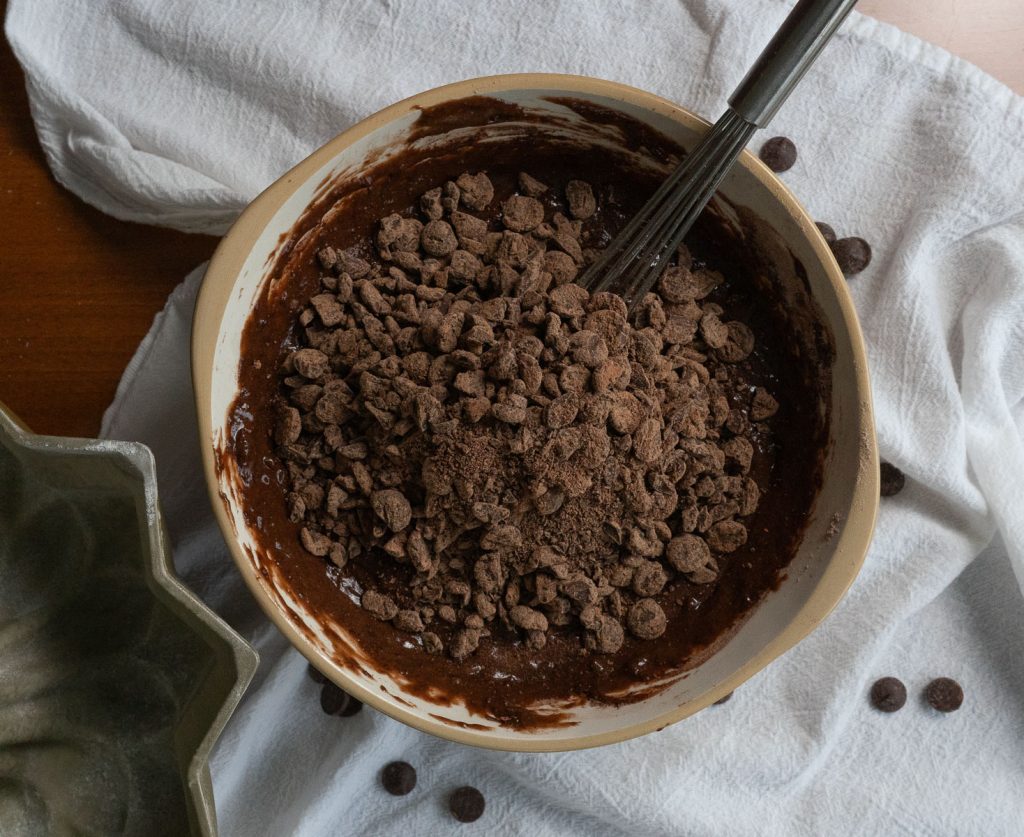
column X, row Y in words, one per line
column 836, row 540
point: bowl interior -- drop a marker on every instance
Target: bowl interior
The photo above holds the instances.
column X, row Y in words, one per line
column 835, row 541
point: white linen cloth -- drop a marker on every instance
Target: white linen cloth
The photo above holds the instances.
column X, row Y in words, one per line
column 179, row 113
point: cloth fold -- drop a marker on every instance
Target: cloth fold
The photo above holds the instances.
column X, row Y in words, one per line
column 180, row 113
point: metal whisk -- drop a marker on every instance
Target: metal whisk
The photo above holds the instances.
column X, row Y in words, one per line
column 635, row 259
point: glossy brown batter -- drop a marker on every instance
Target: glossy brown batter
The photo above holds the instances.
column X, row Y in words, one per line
column 504, row 678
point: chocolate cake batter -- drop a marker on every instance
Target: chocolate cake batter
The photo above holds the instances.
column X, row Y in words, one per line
column 786, row 462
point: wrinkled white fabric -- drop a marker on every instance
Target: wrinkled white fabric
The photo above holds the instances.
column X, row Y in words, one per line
column 180, row 113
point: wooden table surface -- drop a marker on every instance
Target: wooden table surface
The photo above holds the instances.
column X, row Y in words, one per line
column 79, row 289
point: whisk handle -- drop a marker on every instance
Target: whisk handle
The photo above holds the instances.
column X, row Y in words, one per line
column 789, row 53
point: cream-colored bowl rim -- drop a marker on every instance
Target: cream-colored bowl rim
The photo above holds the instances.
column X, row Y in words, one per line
column 234, row 249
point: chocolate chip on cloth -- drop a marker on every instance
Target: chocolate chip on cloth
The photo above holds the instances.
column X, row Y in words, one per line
column 353, row 707
column 852, row 254
column 826, row 231
column 892, row 480
column 398, row 778
column 779, row 154
column 888, row 694
column 335, row 701
column 944, row 694
column 502, row 456
column 466, row 804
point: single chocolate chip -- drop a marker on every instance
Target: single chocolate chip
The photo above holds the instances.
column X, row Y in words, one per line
column 944, row 694
column 398, row 778
column 335, row 701
column 466, row 804
column 315, row 675
column 892, row 480
column 888, row 694
column 779, row 154
column 723, row 699
column 853, row 254
column 351, row 708
column 826, row 231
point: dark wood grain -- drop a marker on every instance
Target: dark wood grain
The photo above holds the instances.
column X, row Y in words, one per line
column 78, row 289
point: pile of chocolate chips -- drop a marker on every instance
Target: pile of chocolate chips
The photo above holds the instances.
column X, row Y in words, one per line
column 531, row 457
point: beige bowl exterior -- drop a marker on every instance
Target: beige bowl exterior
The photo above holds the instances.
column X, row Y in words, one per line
column 834, row 545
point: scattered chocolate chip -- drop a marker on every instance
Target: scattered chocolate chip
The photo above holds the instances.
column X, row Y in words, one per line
column 582, row 203
column 646, row 619
column 888, row 694
column 380, row 605
column 315, row 543
column 608, row 634
column 739, row 344
column 476, row 190
column 392, row 507
column 351, row 264
column 892, row 479
column 521, row 213
column 335, row 701
column 328, row 257
column 687, row 553
column 464, row 643
column 288, row 427
column 853, row 254
column 530, row 185
column 430, row 204
column 314, row 674
column 779, row 154
column 649, row 579
column 944, row 694
column 466, row 804
column 438, row 239
column 398, row 778
column 727, row 536
column 723, row 699
column 311, row 363
column 762, row 405
column 827, row 232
